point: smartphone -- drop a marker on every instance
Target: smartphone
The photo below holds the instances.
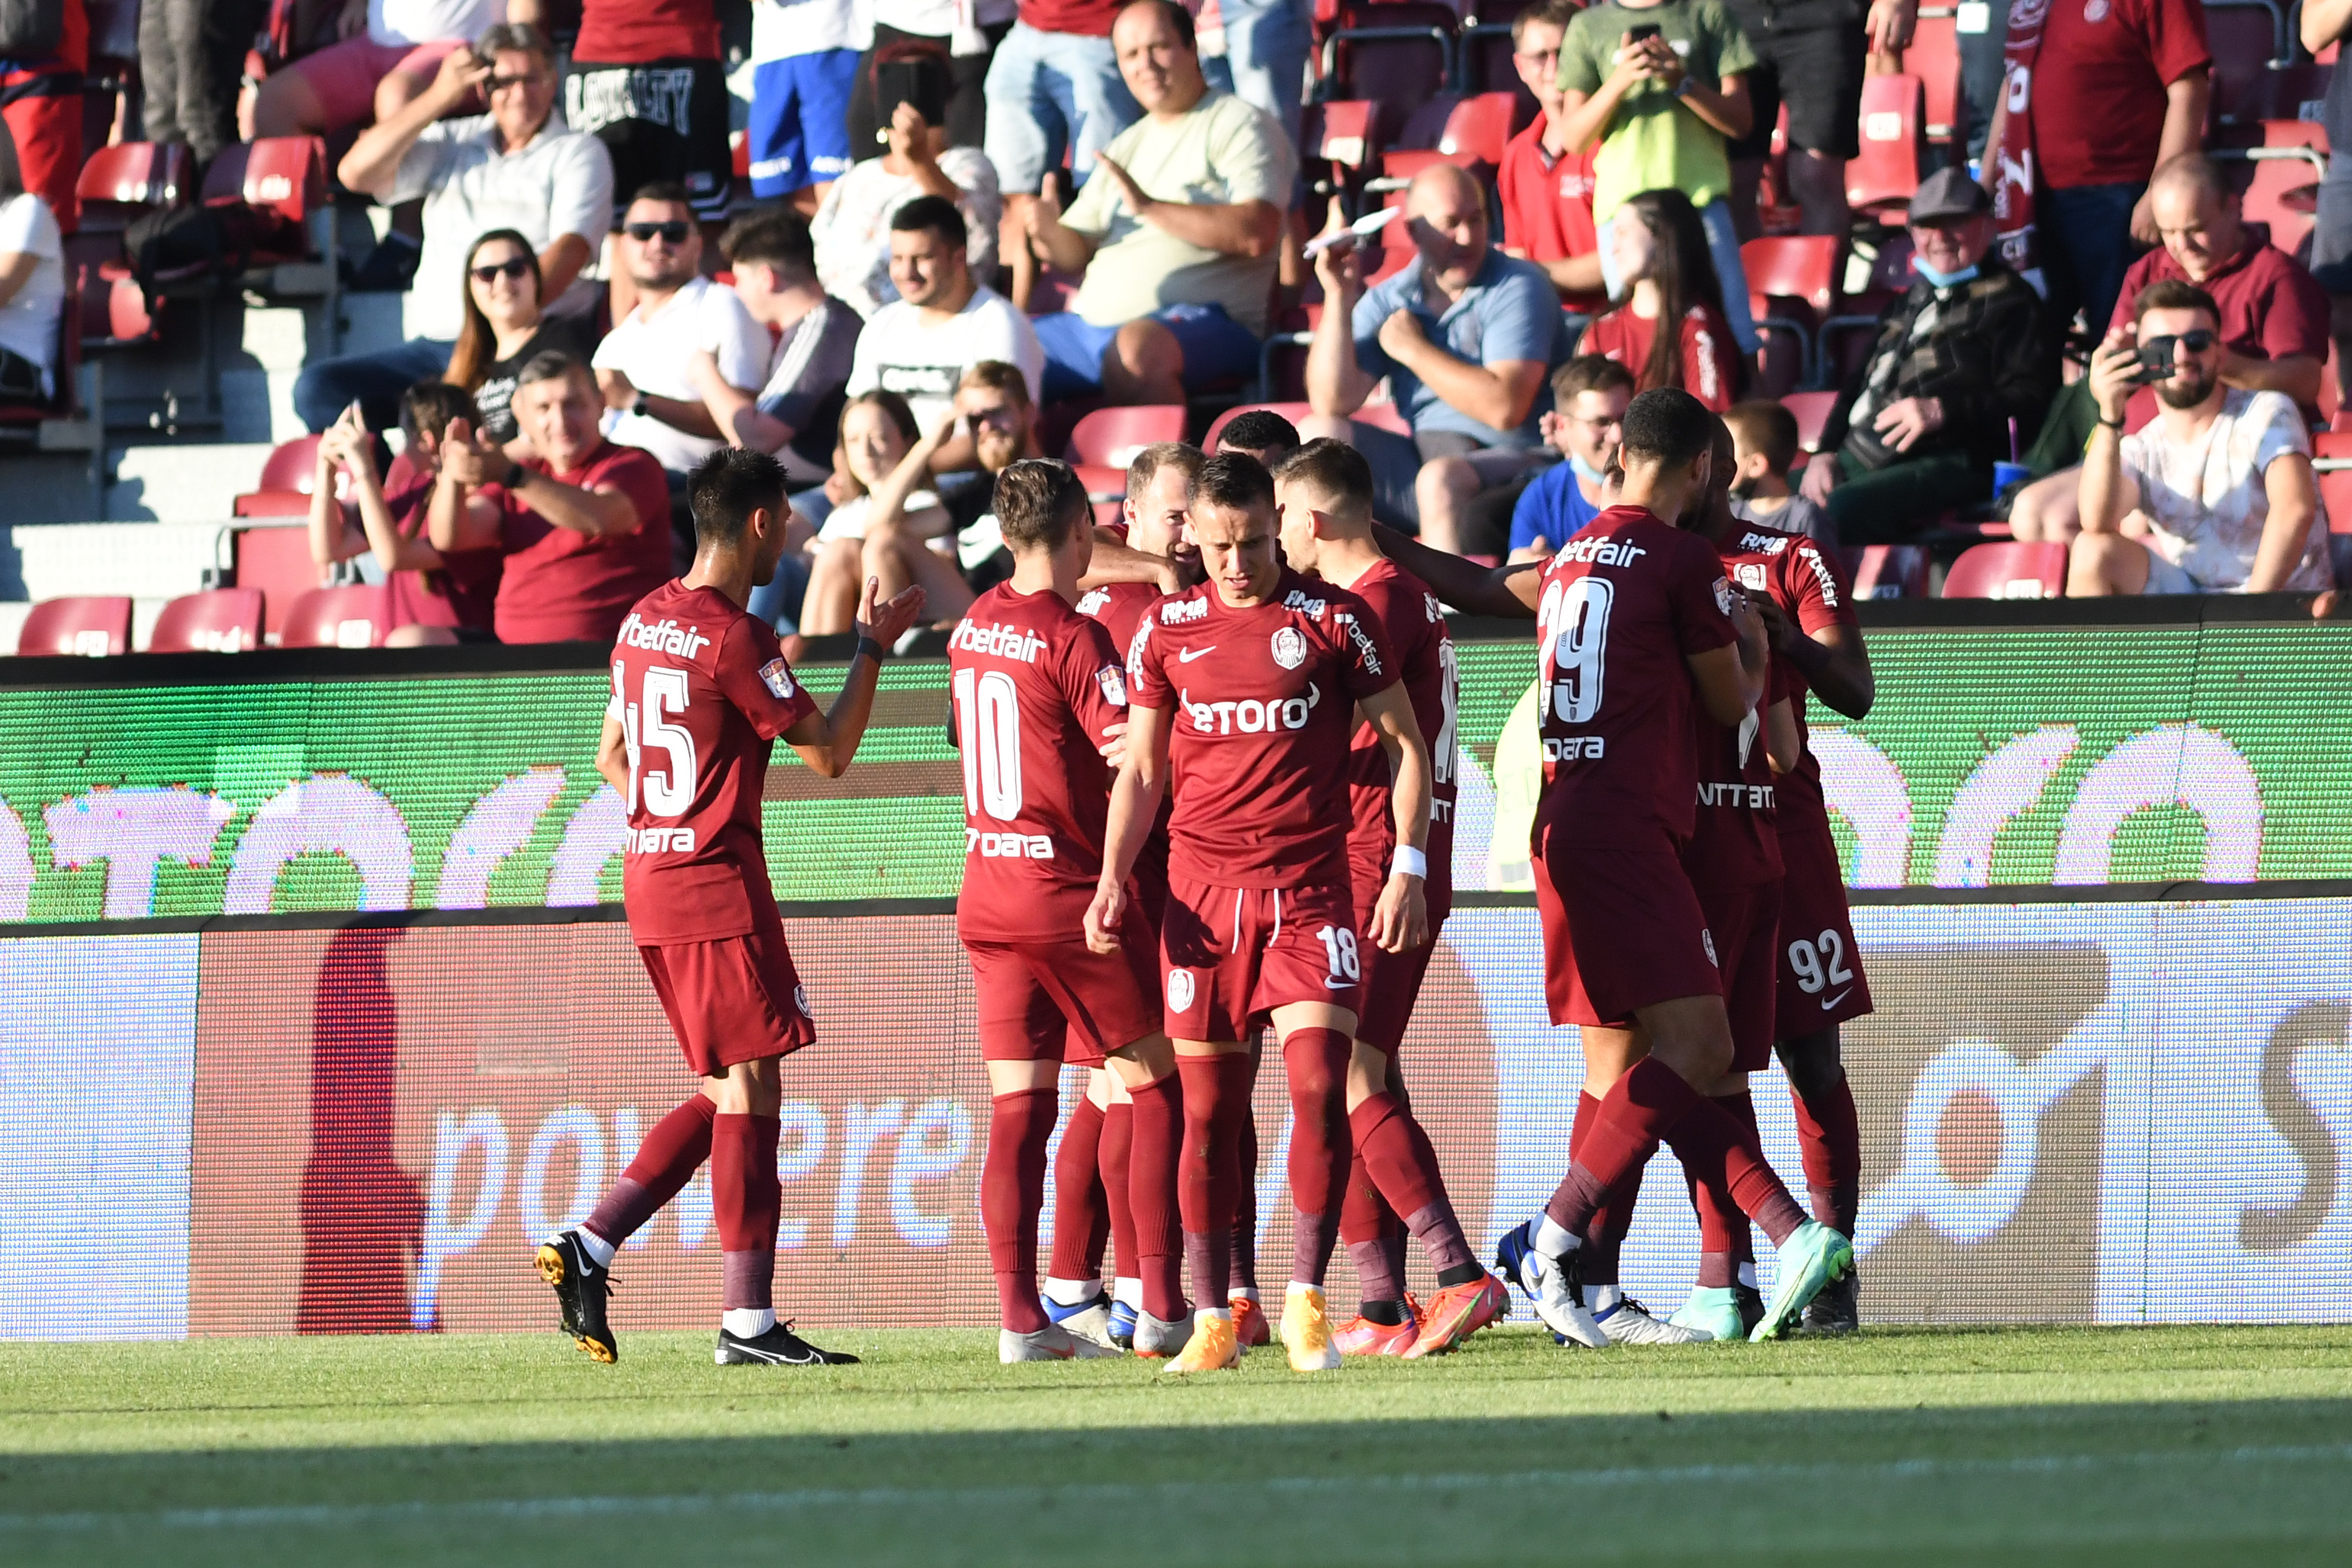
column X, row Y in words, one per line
column 2155, row 362
column 1642, row 32
column 921, row 83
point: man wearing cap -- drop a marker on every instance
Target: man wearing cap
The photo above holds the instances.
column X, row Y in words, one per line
column 1918, row 429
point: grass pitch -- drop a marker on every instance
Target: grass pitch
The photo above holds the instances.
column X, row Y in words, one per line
column 2011, row 1445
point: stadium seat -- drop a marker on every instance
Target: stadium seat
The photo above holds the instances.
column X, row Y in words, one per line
column 1111, row 438
column 2335, row 498
column 2295, row 92
column 2008, row 571
column 1342, row 135
column 281, row 177
column 1399, row 54
column 2245, row 37
column 130, row 180
column 1813, row 410
column 1791, row 283
column 275, row 559
column 1294, row 412
column 2287, row 168
column 286, row 475
column 219, row 620
column 1470, row 134
column 355, row 616
column 1934, row 57
column 1880, row 182
column 1482, row 58
column 1887, row 571
column 91, row 627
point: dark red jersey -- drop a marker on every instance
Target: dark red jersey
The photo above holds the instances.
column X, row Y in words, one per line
column 1624, row 604
column 701, row 691
column 1414, row 622
column 1806, row 582
column 1262, row 701
column 1121, row 607
column 1735, row 836
column 1036, row 689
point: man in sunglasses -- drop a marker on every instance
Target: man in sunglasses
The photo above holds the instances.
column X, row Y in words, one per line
column 516, row 167
column 2216, row 494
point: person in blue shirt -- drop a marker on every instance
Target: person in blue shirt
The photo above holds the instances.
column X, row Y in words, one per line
column 1465, row 335
column 1589, row 396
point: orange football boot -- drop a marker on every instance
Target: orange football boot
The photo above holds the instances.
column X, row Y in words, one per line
column 1458, row 1311
column 1250, row 1327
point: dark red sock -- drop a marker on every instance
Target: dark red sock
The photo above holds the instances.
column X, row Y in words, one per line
column 1012, row 1191
column 1158, row 1127
column 1078, row 1196
column 1242, row 1250
column 1208, row 1171
column 1652, row 1103
column 1112, row 1155
column 1724, row 1240
column 1830, row 1133
column 746, row 1200
column 1604, row 1234
column 1316, row 1061
column 1588, row 1107
column 665, row 1161
column 1391, row 1144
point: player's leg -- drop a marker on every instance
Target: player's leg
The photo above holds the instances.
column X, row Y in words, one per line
column 1528, row 1255
column 1205, row 1014
column 1074, row 1291
column 746, row 1202
column 1724, row 1303
column 577, row 1262
column 1113, row 1169
column 1146, row 1072
column 1829, row 1134
column 1315, row 1039
column 1387, row 1321
column 1250, row 1327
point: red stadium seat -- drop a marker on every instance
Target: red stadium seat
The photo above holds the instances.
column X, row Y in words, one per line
column 283, row 179
column 1934, row 57
column 122, row 182
column 276, row 560
column 1294, row 412
column 354, row 616
column 1893, row 117
column 220, row 620
column 2010, row 571
column 1483, row 52
column 1343, row 131
column 2245, row 37
column 1791, row 282
column 2331, row 444
column 91, row 627
column 1887, row 571
column 1399, row 54
column 1471, row 134
column 2335, row 498
column 1111, row 436
column 2285, row 191
column 287, row 477
column 1813, row 410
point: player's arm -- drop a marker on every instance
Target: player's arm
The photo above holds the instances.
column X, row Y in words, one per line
column 613, row 756
column 1833, row 661
column 1135, row 798
column 1733, row 680
column 1509, row 591
column 1784, row 742
column 827, row 742
column 1401, row 920
column 1116, row 561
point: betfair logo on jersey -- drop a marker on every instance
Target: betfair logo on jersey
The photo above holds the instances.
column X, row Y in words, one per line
column 1366, row 649
column 1008, row 846
column 1183, row 610
column 1810, row 554
column 1249, row 716
column 664, row 637
column 1296, row 599
column 1601, row 553
column 1434, row 608
column 1093, row 603
column 659, row 840
column 1570, row 748
column 1737, row 796
column 998, row 642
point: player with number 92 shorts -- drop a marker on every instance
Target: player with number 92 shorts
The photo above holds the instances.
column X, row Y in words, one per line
column 1243, row 694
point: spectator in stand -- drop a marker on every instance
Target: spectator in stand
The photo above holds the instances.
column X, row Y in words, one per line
column 1589, row 396
column 798, row 407
column 1662, row 110
column 1177, row 242
column 505, row 330
column 42, row 73
column 1263, row 62
column 2216, row 494
column 1054, row 91
column 32, row 285
column 1918, row 428
column 992, row 412
column 582, row 524
column 1668, row 275
column 2322, row 23
column 803, row 70
column 942, row 325
column 2111, row 89
column 2274, row 320
column 645, row 81
column 852, row 230
column 1464, row 338
column 931, row 29
column 386, row 53
column 435, row 597
column 878, row 431
column 1764, row 448
column 1262, row 434
column 516, row 167
column 1809, row 56
column 191, row 63
column 1547, row 189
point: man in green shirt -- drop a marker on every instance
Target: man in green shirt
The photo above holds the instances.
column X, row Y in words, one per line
column 1658, row 85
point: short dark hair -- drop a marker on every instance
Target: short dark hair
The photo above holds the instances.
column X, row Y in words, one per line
column 670, row 192
column 726, row 486
column 1667, row 424
column 936, row 214
column 1588, row 372
column 1559, row 13
column 1235, row 481
column 1260, row 430
column 1178, row 17
column 1145, row 465
column 508, row 37
column 432, row 403
column 1038, row 502
column 2174, row 294
column 1335, row 472
column 1766, row 428
column 778, row 239
column 995, row 375
column 551, row 364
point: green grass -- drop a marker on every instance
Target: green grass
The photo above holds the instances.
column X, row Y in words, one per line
column 2009, row 1445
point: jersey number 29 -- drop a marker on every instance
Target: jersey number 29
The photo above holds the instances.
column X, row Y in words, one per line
column 988, row 722
column 1576, row 644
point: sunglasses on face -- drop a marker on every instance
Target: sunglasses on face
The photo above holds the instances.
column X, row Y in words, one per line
column 2161, row 348
column 513, row 267
column 500, row 83
column 674, row 232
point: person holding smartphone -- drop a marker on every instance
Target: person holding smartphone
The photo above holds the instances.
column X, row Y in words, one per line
column 852, row 229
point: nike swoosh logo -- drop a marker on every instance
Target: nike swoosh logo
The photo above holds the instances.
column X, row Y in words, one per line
column 1187, row 654
column 1829, row 1002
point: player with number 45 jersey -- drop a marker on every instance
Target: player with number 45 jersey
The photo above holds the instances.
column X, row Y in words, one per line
column 700, row 693
column 1243, row 695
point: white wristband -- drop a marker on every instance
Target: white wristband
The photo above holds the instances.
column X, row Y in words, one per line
column 1409, row 862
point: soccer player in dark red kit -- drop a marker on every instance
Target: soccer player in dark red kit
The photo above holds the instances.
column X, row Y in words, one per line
column 1039, row 695
column 1243, row 694
column 1325, row 492
column 700, row 693
column 1637, row 624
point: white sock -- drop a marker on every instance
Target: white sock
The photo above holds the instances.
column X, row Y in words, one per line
column 596, row 1246
column 1553, row 1239
column 747, row 1322
column 1242, row 1293
column 1073, row 1292
column 1599, row 1299
column 1129, row 1291
column 1205, row 1313
column 1300, row 1286
column 1748, row 1276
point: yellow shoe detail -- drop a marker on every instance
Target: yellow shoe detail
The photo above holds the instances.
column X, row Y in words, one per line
column 1307, row 1330
column 1212, row 1348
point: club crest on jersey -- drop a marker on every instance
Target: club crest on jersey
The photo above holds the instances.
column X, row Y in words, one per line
column 1289, row 646
column 1751, row 576
column 1723, row 599
column 1113, row 681
column 777, row 678
column 1180, row 990
column 800, row 1000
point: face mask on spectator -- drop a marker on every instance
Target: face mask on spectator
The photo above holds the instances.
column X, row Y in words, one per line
column 1942, row 279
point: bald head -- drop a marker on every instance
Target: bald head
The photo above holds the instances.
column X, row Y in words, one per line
column 2196, row 214
column 1445, row 211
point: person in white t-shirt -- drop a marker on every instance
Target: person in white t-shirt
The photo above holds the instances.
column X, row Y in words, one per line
column 386, row 57
column 32, row 290
column 803, row 70
column 2216, row 494
column 852, row 230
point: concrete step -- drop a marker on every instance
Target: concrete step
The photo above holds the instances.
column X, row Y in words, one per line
column 146, row 560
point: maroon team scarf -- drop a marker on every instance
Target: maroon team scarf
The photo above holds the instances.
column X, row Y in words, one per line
column 2013, row 173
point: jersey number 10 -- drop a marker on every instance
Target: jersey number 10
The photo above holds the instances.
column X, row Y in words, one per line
column 988, row 722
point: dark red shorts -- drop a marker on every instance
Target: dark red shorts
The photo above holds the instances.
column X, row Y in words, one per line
column 1744, row 918
column 1062, row 1000
column 1621, row 929
column 1391, row 979
column 1820, row 980
column 737, row 999
column 1235, row 954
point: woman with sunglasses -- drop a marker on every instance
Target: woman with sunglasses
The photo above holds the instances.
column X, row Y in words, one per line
column 504, row 328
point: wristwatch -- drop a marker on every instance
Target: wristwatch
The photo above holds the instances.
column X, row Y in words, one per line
column 638, row 407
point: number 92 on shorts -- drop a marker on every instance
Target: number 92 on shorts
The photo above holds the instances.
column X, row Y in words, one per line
column 1232, row 954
